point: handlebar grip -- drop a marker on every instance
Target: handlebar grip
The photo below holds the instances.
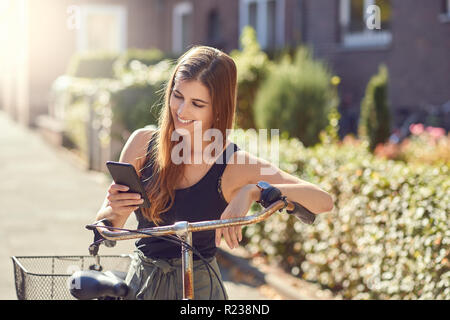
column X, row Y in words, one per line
column 301, row 213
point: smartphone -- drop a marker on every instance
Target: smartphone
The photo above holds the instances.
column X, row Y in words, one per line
column 125, row 174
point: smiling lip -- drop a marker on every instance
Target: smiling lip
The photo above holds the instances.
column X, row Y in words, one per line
column 183, row 122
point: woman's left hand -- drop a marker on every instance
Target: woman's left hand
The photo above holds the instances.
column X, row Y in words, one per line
column 238, row 207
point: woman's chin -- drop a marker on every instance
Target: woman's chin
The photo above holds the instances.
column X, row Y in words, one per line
column 181, row 130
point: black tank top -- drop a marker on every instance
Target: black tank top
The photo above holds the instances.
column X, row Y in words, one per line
column 202, row 201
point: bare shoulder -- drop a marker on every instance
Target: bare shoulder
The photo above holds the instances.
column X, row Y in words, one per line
column 135, row 149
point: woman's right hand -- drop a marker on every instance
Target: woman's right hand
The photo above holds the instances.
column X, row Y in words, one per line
column 121, row 202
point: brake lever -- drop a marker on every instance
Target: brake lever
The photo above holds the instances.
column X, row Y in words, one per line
column 98, row 239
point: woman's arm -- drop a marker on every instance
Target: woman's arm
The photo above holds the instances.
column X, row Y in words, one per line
column 245, row 171
column 308, row 195
column 253, row 169
column 133, row 152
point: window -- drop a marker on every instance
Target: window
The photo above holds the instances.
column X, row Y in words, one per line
column 214, row 31
column 365, row 22
column 252, row 14
column 271, row 24
column 102, row 27
column 445, row 12
column 267, row 18
column 182, row 27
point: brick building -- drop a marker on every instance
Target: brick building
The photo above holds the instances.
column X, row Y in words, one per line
column 414, row 41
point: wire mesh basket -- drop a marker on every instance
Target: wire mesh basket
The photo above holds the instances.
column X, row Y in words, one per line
column 47, row 277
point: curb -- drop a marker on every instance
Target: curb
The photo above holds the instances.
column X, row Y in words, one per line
column 289, row 287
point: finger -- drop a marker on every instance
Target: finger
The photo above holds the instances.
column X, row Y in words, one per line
column 218, row 236
column 124, row 196
column 240, row 233
column 226, row 235
column 234, row 237
column 116, row 188
column 124, row 203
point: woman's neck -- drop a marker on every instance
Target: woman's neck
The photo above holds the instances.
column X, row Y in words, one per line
column 198, row 155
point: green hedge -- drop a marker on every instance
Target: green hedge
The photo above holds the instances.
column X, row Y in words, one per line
column 147, row 57
column 92, row 65
column 139, row 101
column 387, row 237
column 297, row 97
column 375, row 119
column 252, row 66
column 136, row 106
column 130, row 101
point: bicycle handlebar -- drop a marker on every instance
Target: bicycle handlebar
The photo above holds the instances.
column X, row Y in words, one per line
column 293, row 208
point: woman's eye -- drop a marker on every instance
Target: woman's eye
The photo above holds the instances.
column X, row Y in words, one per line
column 178, row 97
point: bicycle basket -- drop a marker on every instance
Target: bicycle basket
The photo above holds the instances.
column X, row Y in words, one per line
column 46, row 277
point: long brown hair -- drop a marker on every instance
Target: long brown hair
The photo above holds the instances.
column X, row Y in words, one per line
column 216, row 71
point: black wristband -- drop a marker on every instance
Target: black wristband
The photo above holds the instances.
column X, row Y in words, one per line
column 269, row 196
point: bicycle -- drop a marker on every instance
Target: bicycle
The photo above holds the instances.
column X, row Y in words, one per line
column 95, row 284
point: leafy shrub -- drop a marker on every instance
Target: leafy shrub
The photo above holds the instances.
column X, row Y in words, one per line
column 135, row 106
column 75, row 122
column 92, row 65
column 252, row 65
column 138, row 102
column 427, row 145
column 375, row 119
column 113, row 108
column 147, row 57
column 387, row 236
column 84, row 105
column 296, row 97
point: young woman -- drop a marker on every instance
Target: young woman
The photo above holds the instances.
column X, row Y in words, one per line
column 200, row 95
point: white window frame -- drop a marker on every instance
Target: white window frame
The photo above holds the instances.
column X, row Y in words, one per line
column 366, row 38
column 261, row 23
column 179, row 10
column 119, row 11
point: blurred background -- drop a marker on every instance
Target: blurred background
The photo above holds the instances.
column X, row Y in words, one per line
column 360, row 90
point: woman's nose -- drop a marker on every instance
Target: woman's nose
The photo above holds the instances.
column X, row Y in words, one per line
column 181, row 110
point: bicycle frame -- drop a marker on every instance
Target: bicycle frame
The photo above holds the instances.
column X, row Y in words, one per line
column 184, row 229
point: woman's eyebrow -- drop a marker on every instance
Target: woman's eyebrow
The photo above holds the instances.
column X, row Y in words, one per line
column 192, row 99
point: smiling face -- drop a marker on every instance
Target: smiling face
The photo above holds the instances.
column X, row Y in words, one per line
column 190, row 101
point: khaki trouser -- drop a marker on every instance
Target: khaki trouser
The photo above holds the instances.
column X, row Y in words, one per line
column 161, row 279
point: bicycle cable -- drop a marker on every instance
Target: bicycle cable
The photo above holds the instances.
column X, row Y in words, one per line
column 177, row 240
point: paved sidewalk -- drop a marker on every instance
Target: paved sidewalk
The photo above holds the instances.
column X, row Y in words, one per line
column 46, row 197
